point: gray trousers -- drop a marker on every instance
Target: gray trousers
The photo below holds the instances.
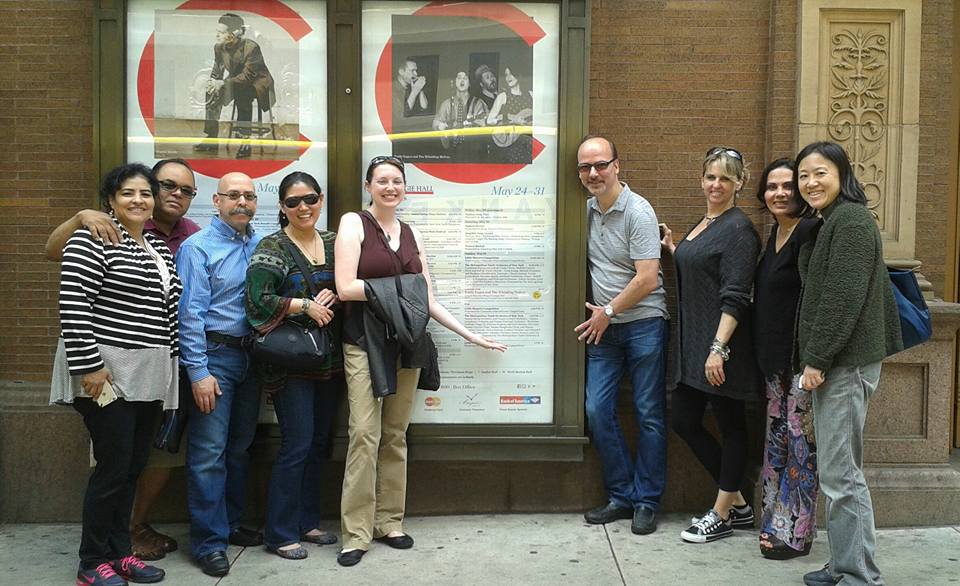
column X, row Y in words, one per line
column 839, row 409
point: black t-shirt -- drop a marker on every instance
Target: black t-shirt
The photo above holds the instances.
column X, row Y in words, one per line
column 775, row 298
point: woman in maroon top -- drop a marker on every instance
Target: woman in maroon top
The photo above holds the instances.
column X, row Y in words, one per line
column 373, row 244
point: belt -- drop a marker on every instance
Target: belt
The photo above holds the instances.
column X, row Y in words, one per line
column 232, row 341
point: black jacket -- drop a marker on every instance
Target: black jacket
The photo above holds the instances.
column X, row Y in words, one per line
column 395, row 320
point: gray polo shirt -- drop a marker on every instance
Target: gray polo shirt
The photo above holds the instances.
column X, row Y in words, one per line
column 626, row 232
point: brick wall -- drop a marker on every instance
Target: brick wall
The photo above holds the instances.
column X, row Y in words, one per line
column 671, row 78
column 668, row 80
column 934, row 190
column 45, row 165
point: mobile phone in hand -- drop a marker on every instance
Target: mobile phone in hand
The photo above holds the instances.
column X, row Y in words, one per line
column 107, row 395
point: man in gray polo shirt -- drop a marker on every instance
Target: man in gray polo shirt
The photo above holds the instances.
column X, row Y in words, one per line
column 625, row 335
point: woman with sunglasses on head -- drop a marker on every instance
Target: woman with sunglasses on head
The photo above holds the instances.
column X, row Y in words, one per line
column 713, row 353
column 116, row 364
column 847, row 324
column 370, row 245
column 305, row 403
column 789, row 475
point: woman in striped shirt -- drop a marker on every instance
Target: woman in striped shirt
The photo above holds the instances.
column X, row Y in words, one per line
column 117, row 364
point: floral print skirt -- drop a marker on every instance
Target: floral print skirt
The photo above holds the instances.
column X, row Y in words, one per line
column 790, row 484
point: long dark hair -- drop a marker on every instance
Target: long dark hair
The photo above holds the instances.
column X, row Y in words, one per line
column 115, row 178
column 799, row 208
column 289, row 181
column 850, row 188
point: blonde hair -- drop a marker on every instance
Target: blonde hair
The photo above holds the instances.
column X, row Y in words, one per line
column 732, row 166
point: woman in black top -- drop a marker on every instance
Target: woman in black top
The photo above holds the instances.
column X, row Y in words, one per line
column 713, row 353
column 789, row 472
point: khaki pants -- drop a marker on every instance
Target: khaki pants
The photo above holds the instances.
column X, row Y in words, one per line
column 375, row 478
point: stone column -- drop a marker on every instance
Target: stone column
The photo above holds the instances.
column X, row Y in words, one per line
column 859, row 86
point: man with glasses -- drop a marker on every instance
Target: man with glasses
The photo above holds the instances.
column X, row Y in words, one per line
column 178, row 187
column 214, row 342
column 625, row 335
column 169, row 224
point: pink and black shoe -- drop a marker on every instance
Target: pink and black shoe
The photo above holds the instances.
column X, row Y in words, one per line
column 102, row 575
column 132, row 569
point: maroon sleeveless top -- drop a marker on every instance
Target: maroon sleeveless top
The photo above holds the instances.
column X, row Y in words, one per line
column 377, row 260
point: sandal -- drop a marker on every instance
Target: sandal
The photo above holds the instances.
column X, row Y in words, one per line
column 773, row 548
column 145, row 545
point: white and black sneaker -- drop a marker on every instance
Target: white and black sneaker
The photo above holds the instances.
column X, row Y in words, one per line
column 740, row 517
column 709, row 527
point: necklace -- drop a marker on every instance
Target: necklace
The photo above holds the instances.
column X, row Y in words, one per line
column 385, row 231
column 313, row 255
column 710, row 218
column 783, row 236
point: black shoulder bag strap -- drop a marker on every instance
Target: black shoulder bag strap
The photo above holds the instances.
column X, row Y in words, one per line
column 301, row 261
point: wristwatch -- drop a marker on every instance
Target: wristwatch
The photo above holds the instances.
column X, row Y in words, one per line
column 608, row 310
column 304, row 305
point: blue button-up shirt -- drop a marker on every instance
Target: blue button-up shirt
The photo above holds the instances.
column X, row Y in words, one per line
column 213, row 268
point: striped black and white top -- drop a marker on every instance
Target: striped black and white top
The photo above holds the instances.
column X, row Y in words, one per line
column 114, row 296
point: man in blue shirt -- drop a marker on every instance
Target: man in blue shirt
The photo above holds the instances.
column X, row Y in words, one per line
column 214, row 336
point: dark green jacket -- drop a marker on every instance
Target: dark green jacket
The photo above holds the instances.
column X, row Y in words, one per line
column 848, row 316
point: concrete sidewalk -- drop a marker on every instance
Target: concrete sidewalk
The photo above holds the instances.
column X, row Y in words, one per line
column 505, row 549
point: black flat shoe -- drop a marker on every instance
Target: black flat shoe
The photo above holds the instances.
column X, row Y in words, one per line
column 350, row 558
column 214, row 563
column 297, row 553
column 321, row 539
column 608, row 513
column 399, row 542
column 644, row 521
column 244, row 537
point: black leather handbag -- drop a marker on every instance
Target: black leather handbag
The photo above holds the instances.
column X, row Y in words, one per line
column 295, row 347
column 430, row 375
column 175, row 420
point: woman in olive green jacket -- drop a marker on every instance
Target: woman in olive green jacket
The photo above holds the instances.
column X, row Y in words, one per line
column 848, row 323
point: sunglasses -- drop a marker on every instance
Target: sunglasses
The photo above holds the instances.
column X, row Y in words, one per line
column 584, row 168
column 294, row 202
column 730, row 151
column 171, row 187
column 386, row 159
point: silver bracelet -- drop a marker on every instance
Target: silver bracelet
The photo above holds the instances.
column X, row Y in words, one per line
column 719, row 348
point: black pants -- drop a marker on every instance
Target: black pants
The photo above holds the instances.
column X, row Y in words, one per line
column 243, row 96
column 121, row 434
column 725, row 462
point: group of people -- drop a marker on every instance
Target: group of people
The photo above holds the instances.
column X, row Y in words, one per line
column 475, row 104
column 156, row 311
column 808, row 318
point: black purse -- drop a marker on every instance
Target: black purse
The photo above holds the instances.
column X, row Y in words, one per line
column 175, row 420
column 292, row 346
column 430, row 375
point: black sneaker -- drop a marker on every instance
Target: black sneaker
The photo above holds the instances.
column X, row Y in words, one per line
column 102, row 575
column 132, row 569
column 740, row 517
column 821, row 577
column 710, row 527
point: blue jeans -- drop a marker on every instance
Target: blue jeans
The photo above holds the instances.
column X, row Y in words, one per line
column 637, row 349
column 305, row 411
column 218, row 446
